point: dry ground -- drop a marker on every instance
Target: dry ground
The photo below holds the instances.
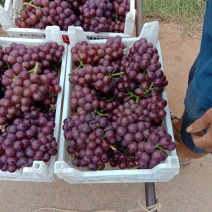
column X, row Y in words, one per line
column 189, row 191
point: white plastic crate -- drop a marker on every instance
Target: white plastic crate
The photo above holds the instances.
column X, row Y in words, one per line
column 40, row 171
column 13, row 7
column 161, row 173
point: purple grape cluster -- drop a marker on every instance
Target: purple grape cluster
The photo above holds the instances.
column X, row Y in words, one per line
column 29, row 80
column 26, row 139
column 143, row 75
column 136, row 133
column 89, row 138
column 91, row 15
column 94, row 54
column 122, row 94
column 32, row 77
column 83, row 99
column 95, row 14
column 98, row 70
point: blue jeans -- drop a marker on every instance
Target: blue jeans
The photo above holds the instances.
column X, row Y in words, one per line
column 192, row 112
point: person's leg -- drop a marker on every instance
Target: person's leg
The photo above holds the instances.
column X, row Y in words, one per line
column 177, row 124
column 185, row 154
column 186, row 148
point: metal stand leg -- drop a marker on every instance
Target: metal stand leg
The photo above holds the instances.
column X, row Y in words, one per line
column 139, row 24
column 150, row 194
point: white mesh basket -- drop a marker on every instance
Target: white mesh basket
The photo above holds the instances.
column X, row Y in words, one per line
column 40, row 171
column 161, row 173
column 13, row 7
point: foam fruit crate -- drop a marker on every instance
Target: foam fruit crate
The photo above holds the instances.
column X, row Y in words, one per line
column 13, row 7
column 161, row 173
column 40, row 171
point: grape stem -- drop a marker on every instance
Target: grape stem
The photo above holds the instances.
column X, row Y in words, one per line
column 58, row 70
column 15, row 77
column 110, row 99
column 116, row 74
column 124, row 150
column 35, row 69
column 129, row 157
column 113, row 148
column 50, row 95
column 8, row 66
column 162, row 149
column 80, row 65
column 99, row 113
column 144, row 72
column 30, row 4
column 116, row 16
column 148, row 91
column 132, row 95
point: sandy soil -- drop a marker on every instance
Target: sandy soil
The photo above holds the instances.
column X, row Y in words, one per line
column 189, row 191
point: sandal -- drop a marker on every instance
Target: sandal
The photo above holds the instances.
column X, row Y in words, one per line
column 185, row 162
column 182, row 159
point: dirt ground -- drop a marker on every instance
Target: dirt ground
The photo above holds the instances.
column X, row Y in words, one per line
column 189, row 191
column 179, row 52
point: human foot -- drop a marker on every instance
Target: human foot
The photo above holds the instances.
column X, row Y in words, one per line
column 182, row 159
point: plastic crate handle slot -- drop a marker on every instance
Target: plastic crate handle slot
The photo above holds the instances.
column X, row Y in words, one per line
column 53, row 34
column 76, row 34
column 154, row 33
column 150, row 31
column 129, row 22
column 61, row 165
column 40, row 167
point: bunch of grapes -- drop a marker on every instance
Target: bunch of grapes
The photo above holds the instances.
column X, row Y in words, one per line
column 31, row 78
column 121, row 8
column 143, row 75
column 154, row 108
column 91, row 15
column 158, row 145
column 147, row 149
column 144, row 54
column 124, row 93
column 83, row 99
column 26, row 57
column 27, row 138
column 98, row 65
column 89, row 138
column 96, row 15
column 100, row 78
column 135, row 133
column 95, row 54
column 29, row 81
column 41, row 13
